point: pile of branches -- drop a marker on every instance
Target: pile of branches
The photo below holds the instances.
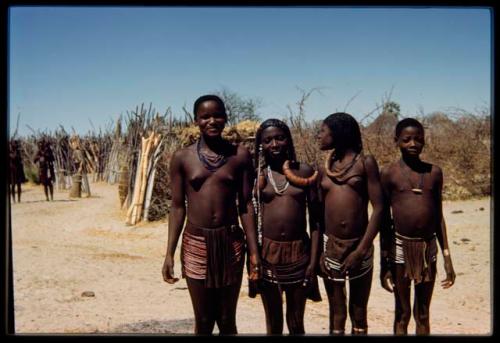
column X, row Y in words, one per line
column 136, row 153
column 29, row 148
column 152, row 203
column 97, row 150
column 95, row 146
column 148, row 143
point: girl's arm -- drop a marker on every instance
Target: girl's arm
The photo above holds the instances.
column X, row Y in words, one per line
column 375, row 196
column 385, row 237
column 176, row 216
column 315, row 214
column 441, row 232
column 247, row 214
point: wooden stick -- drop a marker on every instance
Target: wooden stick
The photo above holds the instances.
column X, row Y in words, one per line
column 151, row 178
column 136, row 184
column 150, row 140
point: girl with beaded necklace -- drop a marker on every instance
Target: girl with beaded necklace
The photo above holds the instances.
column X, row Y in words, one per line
column 283, row 189
column 211, row 182
column 348, row 180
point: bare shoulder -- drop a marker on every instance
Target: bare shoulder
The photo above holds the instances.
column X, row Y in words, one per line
column 180, row 154
column 243, row 153
column 387, row 171
column 305, row 170
column 436, row 171
column 370, row 161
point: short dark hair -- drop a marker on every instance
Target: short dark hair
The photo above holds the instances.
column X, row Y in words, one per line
column 208, row 97
column 281, row 125
column 346, row 132
column 407, row 122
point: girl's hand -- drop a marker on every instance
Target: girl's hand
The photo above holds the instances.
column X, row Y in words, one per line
column 353, row 260
column 255, row 272
column 168, row 270
column 386, row 279
column 450, row 273
column 309, row 274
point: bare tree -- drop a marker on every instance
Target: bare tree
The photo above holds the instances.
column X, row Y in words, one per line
column 304, row 133
column 239, row 108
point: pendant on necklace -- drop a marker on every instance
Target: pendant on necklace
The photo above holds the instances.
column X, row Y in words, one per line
column 416, row 190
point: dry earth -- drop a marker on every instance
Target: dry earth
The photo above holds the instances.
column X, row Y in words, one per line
column 64, row 248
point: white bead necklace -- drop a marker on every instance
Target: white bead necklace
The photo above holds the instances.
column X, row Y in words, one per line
column 278, row 189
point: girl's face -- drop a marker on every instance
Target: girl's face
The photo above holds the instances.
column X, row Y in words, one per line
column 411, row 141
column 210, row 118
column 325, row 137
column 274, row 142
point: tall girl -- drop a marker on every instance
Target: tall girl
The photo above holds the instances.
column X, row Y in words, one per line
column 348, row 180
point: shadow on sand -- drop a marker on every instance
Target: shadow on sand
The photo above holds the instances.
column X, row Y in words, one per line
column 179, row 326
column 57, row 200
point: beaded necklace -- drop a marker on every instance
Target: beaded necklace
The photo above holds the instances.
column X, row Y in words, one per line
column 257, row 187
column 279, row 189
column 211, row 163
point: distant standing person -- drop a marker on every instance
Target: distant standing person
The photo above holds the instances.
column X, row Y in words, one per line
column 214, row 179
column 348, row 181
column 45, row 159
column 284, row 189
column 80, row 163
column 16, row 170
column 408, row 240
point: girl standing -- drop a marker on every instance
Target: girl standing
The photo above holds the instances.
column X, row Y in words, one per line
column 348, row 181
column 284, row 188
column 211, row 183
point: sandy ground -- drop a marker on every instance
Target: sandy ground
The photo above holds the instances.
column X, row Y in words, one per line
column 67, row 247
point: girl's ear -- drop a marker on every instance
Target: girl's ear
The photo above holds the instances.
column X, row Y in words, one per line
column 395, row 139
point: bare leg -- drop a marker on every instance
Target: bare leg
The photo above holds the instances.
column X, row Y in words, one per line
column 51, row 189
column 358, row 300
column 19, row 192
column 423, row 295
column 402, row 297
column 295, row 306
column 273, row 307
column 227, row 298
column 13, row 192
column 204, row 305
column 337, row 303
column 46, row 191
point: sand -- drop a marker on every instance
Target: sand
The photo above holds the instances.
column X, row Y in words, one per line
column 79, row 269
